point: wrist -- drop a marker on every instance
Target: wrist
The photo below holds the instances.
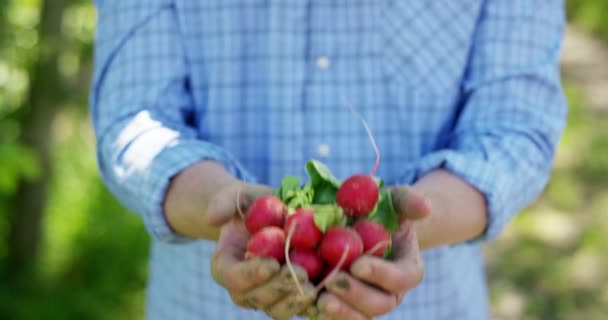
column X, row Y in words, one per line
column 188, row 196
column 458, row 214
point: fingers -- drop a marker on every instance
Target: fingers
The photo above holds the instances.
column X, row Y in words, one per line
column 409, row 203
column 228, row 267
column 404, row 272
column 232, row 199
column 350, row 291
column 276, row 289
column 331, row 307
column 293, row 304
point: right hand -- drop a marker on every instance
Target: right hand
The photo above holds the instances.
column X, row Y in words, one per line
column 254, row 283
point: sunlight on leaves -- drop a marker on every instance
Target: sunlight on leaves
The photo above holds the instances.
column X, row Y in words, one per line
column 19, row 80
column 552, row 227
column 565, row 191
column 4, row 73
column 510, row 304
column 24, row 13
column 79, row 22
column 585, row 270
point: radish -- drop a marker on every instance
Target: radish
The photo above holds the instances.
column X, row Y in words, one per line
column 306, row 234
column 309, row 260
column 359, row 193
column 339, row 241
column 376, row 239
column 264, row 212
column 269, row 243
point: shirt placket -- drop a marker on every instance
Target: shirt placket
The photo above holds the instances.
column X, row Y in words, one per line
column 319, row 87
column 288, row 72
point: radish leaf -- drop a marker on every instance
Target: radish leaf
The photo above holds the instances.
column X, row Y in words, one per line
column 327, row 216
column 292, row 195
column 320, row 175
column 388, row 252
column 384, row 212
column 289, row 185
column 379, row 182
column 325, row 194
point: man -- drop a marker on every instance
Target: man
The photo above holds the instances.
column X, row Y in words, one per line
column 196, row 101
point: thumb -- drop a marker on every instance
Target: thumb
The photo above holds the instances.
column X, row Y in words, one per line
column 233, row 200
column 409, row 203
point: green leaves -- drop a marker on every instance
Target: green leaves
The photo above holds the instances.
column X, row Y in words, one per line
column 323, row 182
column 384, row 212
column 328, row 215
column 324, row 194
column 292, row 195
column 17, row 162
column 289, row 185
column 320, row 175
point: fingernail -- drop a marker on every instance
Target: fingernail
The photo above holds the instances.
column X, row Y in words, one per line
column 362, row 270
column 340, row 284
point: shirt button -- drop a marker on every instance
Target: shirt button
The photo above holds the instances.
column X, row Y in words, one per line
column 323, row 62
column 323, row 150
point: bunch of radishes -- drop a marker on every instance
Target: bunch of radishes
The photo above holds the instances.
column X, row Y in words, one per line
column 324, row 225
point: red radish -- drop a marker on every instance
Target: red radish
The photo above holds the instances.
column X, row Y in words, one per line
column 336, row 241
column 306, row 235
column 268, row 243
column 376, row 239
column 358, row 195
column 309, row 260
column 264, row 212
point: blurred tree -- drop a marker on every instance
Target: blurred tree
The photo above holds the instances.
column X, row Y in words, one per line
column 590, row 15
column 35, row 118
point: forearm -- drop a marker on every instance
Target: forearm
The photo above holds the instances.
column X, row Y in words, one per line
column 459, row 211
column 188, row 197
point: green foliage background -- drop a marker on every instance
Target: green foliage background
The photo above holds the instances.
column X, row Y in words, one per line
column 549, row 264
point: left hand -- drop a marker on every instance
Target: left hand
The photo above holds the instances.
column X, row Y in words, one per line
column 259, row 283
column 378, row 286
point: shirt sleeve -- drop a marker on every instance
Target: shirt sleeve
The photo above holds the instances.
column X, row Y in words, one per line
column 514, row 111
column 141, row 107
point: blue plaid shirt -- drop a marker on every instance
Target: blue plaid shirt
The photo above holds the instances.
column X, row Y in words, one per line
column 261, row 86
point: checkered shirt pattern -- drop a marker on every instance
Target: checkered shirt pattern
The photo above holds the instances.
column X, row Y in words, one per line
column 262, row 86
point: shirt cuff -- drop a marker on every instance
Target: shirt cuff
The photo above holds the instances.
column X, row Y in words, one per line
column 164, row 167
column 479, row 173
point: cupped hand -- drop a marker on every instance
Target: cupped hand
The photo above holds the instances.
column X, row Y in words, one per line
column 253, row 283
column 259, row 283
column 376, row 286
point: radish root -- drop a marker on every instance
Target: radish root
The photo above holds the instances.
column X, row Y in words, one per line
column 369, row 135
column 292, row 229
column 377, row 246
column 334, row 271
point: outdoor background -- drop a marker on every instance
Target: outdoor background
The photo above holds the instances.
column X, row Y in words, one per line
column 69, row 251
